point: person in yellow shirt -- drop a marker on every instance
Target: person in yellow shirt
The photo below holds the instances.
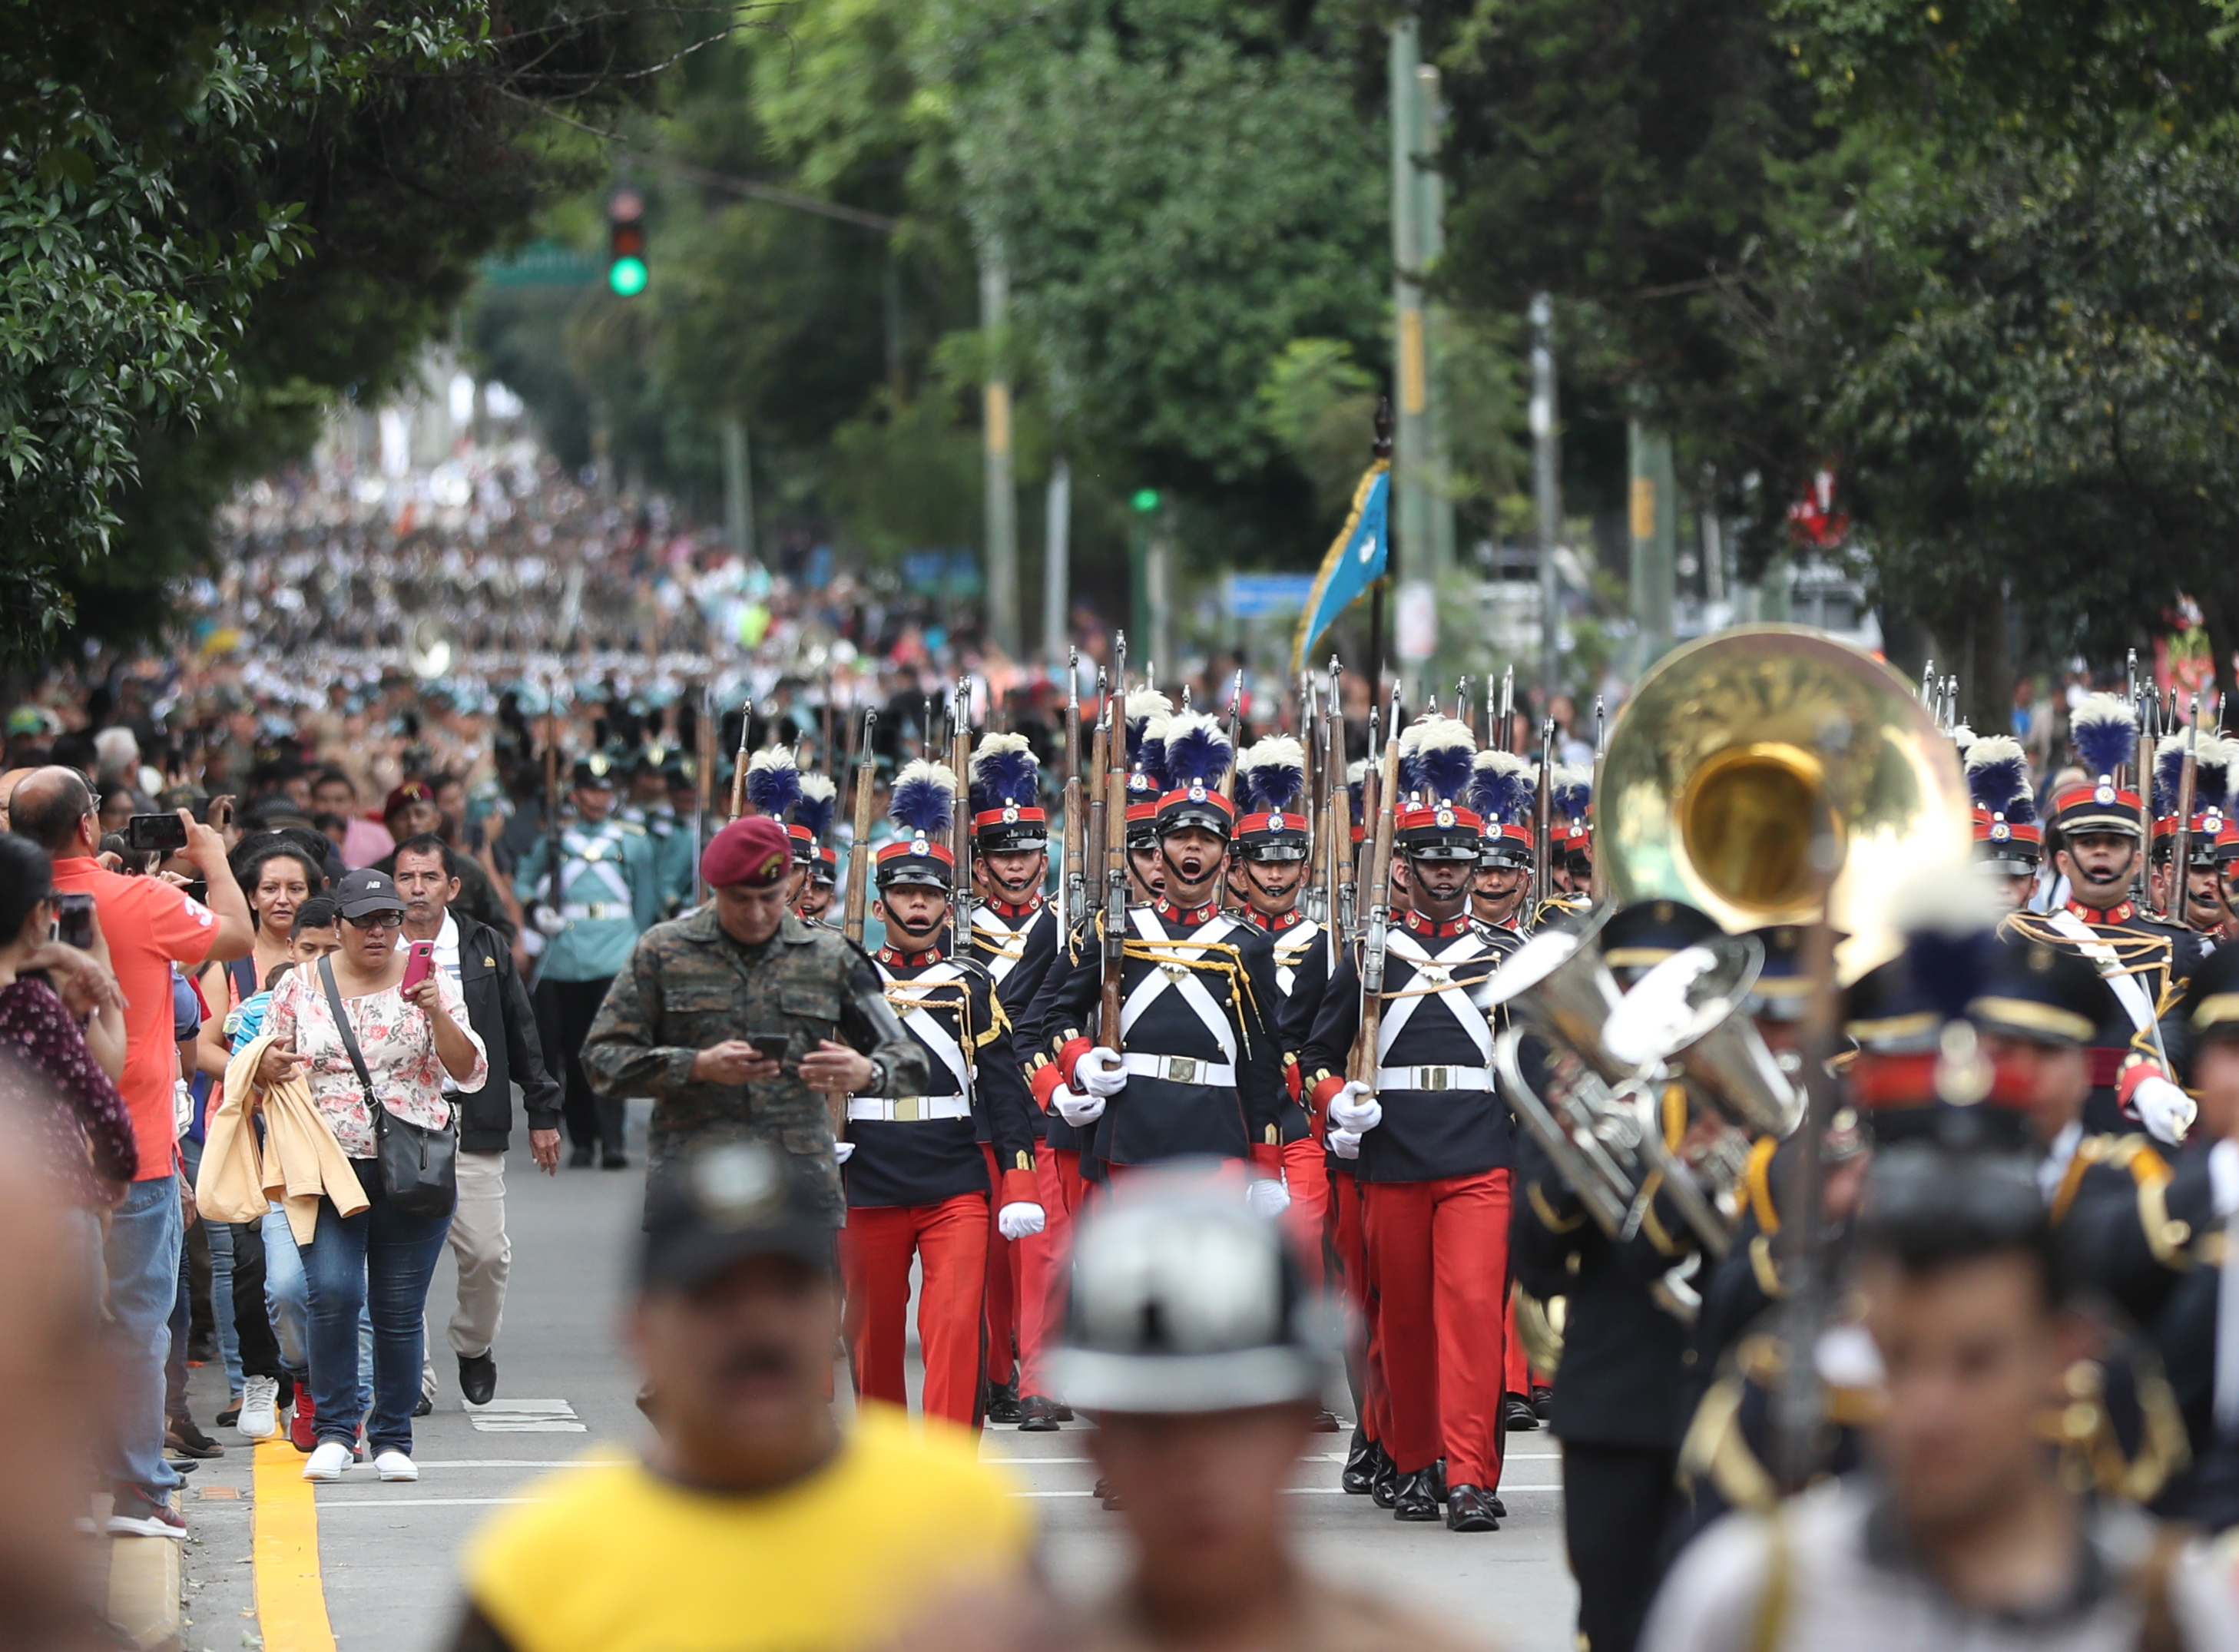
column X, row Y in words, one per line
column 757, row 1521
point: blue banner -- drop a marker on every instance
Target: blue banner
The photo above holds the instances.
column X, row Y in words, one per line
column 1354, row 562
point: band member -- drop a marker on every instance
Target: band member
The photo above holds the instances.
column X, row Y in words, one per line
column 1501, row 785
column 1195, row 1065
column 2146, row 962
column 1433, row 1141
column 919, row 1183
column 1013, row 938
column 815, row 860
column 2009, row 842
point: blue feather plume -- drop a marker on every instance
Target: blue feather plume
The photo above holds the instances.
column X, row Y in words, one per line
column 1948, row 965
column 1004, row 771
column 924, row 797
column 1196, row 750
column 1997, row 776
column 814, row 809
column 1435, row 754
column 2105, row 731
column 2212, row 782
column 1500, row 787
column 1270, row 777
column 1574, row 791
column 2168, row 773
column 772, row 782
column 1149, row 713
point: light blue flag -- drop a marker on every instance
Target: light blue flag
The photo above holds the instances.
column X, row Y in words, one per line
column 1354, row 562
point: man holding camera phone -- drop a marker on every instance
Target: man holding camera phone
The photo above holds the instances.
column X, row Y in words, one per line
column 149, row 924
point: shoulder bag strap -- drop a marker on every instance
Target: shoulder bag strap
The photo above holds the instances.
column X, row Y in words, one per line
column 349, row 1039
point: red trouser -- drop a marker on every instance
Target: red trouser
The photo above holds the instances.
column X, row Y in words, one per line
column 1042, row 1258
column 1002, row 1296
column 1516, row 1372
column 951, row 1239
column 1348, row 1248
column 1305, row 1173
column 1437, row 1258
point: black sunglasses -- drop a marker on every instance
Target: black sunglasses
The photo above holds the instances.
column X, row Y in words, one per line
column 378, row 920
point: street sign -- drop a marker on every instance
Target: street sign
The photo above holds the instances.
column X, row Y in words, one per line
column 1258, row 596
column 540, row 264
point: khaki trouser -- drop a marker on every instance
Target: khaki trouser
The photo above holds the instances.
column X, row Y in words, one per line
column 484, row 1256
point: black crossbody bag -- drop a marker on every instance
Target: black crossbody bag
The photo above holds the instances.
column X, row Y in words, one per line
column 419, row 1166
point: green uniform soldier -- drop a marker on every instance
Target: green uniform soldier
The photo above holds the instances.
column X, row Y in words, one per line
column 605, row 892
column 647, row 805
column 684, row 1020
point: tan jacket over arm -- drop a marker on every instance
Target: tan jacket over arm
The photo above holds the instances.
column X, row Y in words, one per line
column 299, row 1159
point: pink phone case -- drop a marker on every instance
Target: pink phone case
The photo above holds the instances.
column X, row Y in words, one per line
column 419, row 965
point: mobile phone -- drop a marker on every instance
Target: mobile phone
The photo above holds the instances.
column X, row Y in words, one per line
column 772, row 1044
column 419, row 963
column 158, row 833
column 74, row 921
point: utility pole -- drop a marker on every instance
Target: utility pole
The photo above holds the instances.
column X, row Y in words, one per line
column 1057, row 561
column 1002, row 504
column 1410, row 460
column 1655, row 523
column 1547, row 488
column 1430, row 230
column 738, row 487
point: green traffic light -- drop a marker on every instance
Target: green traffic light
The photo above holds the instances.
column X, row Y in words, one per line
column 627, row 276
column 1145, row 499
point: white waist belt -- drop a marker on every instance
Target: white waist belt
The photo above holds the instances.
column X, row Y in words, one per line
column 1434, row 1079
column 908, row 1109
column 1181, row 1070
column 578, row 911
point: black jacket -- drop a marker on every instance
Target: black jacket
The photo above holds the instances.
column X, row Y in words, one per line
column 498, row 1010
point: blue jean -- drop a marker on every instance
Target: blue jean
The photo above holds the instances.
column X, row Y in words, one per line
column 379, row 1260
column 283, row 1291
column 141, row 1262
column 220, row 1236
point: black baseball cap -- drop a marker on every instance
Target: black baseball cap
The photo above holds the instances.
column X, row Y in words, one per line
column 724, row 1203
column 358, row 894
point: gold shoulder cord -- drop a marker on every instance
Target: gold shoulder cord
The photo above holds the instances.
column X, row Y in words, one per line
column 2134, row 954
column 946, row 995
column 1217, row 958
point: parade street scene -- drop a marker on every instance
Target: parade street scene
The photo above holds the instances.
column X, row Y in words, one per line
column 1118, row 825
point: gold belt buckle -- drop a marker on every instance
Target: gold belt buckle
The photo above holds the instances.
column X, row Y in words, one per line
column 905, row 1109
column 1182, row 1068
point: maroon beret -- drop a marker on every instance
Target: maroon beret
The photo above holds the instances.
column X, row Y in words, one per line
column 753, row 851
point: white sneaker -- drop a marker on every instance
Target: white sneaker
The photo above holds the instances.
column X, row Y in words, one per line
column 260, row 1408
column 327, row 1460
column 396, row 1465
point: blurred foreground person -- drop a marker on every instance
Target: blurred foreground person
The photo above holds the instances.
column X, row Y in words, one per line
column 1962, row 1532
column 757, row 1521
column 1193, row 1335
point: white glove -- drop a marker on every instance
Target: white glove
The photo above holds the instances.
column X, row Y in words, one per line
column 1267, row 1196
column 1101, row 1071
column 1076, row 1109
column 548, row 920
column 1020, row 1219
column 2165, row 1110
column 1355, row 1108
column 843, row 1150
column 1345, row 1144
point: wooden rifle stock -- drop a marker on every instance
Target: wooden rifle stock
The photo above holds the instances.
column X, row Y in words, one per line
column 739, row 764
column 960, row 832
column 857, row 899
column 2180, row 901
column 1076, row 845
column 1379, row 906
column 1115, row 882
column 703, row 785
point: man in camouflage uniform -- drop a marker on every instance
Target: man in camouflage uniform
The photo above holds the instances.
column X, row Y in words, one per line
column 679, row 1022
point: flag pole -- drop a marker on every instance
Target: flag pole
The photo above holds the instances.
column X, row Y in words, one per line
column 1382, row 449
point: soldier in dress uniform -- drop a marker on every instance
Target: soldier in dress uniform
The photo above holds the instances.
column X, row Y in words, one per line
column 592, row 900
column 2146, row 962
column 2205, row 909
column 919, row 1182
column 1571, row 869
column 674, row 855
column 1196, row 1066
column 677, row 1025
column 1434, row 1141
column 2009, row 842
column 815, row 861
column 1501, row 785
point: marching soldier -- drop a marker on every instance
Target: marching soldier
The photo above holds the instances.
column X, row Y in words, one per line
column 1014, row 937
column 2009, row 842
column 594, row 887
column 1433, row 1139
column 2144, row 961
column 647, row 807
column 1571, row 869
column 1196, row 1064
column 1501, row 785
column 688, row 1021
column 815, row 861
column 920, row 1183
column 2212, row 755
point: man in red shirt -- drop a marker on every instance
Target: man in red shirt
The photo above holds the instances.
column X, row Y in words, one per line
column 149, row 925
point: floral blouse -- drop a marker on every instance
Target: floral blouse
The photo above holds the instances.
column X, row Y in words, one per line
column 84, row 1127
column 397, row 1042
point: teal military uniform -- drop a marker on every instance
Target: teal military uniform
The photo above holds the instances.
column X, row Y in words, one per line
column 676, row 861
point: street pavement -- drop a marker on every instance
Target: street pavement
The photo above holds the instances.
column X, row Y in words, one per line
column 386, row 1556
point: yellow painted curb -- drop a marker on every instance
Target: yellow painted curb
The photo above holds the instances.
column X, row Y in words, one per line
column 291, row 1597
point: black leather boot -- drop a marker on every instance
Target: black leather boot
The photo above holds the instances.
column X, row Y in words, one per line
column 1468, row 1508
column 1416, row 1497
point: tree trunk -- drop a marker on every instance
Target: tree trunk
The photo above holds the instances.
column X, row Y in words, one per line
column 1986, row 692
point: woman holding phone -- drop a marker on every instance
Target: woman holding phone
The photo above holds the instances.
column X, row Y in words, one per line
column 383, row 1257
